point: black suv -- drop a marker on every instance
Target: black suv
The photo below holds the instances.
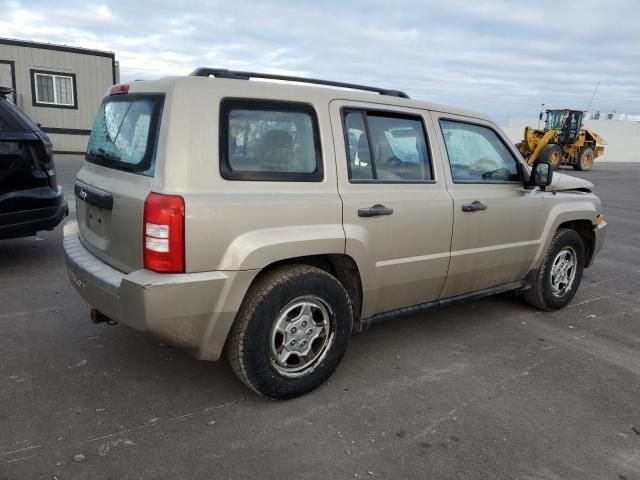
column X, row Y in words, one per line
column 30, row 198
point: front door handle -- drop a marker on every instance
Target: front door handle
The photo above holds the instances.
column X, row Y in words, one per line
column 374, row 211
column 474, row 207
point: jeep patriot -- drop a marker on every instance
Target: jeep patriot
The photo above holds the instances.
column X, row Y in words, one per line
column 269, row 220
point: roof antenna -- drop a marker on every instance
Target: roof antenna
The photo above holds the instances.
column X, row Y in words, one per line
column 593, row 96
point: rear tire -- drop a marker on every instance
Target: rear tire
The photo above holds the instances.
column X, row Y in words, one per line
column 585, row 159
column 291, row 332
column 560, row 274
column 552, row 153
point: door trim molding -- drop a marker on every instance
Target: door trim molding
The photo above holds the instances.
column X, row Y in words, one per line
column 502, row 246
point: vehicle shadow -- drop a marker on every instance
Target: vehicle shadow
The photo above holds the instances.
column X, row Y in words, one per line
column 169, row 374
column 35, row 252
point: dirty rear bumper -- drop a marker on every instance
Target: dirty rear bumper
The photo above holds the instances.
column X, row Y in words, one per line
column 192, row 310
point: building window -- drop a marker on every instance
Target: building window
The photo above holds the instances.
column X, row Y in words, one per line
column 53, row 89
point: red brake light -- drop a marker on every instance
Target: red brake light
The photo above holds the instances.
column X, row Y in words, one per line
column 119, row 89
column 163, row 233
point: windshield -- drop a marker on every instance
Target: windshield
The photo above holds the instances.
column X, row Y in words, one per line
column 124, row 133
column 556, row 119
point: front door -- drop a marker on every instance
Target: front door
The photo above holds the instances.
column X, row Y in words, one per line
column 497, row 222
column 396, row 210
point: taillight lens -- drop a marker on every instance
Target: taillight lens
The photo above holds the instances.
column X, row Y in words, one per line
column 163, row 234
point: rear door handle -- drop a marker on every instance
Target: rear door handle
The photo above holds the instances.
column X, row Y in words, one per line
column 374, row 211
column 474, row 207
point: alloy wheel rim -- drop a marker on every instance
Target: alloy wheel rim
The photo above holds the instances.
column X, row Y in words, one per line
column 563, row 271
column 301, row 336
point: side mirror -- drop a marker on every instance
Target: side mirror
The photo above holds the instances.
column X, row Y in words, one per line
column 541, row 174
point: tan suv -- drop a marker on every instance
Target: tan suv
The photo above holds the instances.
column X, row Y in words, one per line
column 271, row 219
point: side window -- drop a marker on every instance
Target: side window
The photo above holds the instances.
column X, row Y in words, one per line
column 386, row 147
column 477, row 154
column 269, row 141
column 6, row 121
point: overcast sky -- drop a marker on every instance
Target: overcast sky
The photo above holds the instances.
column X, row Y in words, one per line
column 501, row 57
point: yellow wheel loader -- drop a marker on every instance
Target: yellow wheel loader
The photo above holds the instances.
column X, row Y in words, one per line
column 563, row 141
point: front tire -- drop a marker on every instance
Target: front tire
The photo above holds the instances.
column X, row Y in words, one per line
column 585, row 159
column 291, row 332
column 560, row 274
column 553, row 154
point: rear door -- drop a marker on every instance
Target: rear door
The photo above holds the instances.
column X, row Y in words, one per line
column 497, row 222
column 397, row 214
column 114, row 182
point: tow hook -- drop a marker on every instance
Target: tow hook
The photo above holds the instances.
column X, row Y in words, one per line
column 99, row 317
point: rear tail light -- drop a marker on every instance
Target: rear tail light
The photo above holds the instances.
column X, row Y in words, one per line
column 163, row 234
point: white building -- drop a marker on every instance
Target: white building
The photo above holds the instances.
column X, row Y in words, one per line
column 59, row 87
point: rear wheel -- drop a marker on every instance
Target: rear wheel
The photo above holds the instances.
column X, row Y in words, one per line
column 560, row 274
column 552, row 153
column 585, row 159
column 291, row 332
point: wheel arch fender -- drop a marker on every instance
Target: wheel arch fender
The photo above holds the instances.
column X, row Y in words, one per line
column 258, row 249
column 565, row 214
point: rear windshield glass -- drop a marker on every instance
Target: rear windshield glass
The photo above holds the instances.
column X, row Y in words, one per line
column 124, row 133
column 12, row 119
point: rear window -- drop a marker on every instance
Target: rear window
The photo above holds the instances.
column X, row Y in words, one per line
column 125, row 132
column 269, row 141
column 12, row 119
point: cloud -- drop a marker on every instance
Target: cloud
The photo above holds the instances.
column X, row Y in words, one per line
column 503, row 57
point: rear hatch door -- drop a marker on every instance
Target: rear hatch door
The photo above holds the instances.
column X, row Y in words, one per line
column 26, row 161
column 112, row 186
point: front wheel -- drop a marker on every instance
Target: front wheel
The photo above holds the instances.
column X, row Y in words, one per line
column 585, row 159
column 560, row 274
column 291, row 332
column 553, row 154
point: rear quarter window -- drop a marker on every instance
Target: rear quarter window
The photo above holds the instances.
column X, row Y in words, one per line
column 269, row 141
column 124, row 134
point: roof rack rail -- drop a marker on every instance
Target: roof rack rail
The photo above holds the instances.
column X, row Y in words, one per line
column 236, row 75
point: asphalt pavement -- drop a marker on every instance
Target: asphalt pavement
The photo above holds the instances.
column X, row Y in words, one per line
column 490, row 389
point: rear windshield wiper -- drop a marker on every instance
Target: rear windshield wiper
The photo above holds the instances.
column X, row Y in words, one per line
column 105, row 157
column 102, row 154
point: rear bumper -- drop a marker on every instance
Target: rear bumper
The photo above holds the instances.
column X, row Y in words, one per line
column 46, row 209
column 192, row 310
